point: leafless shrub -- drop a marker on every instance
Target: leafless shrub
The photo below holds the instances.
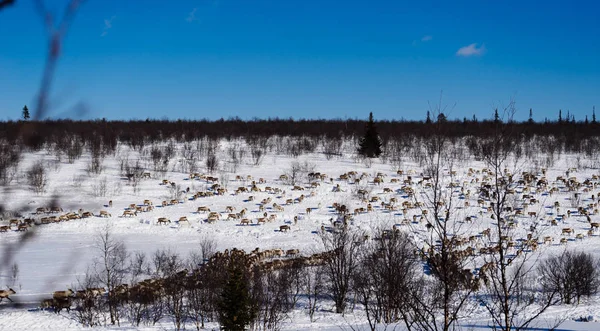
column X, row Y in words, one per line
column 95, row 165
column 572, row 275
column 137, row 307
column 386, row 280
column 293, row 173
column 174, row 289
column 341, row 264
column 110, row 269
column 199, row 297
column 332, row 146
column 175, row 192
column 297, row 171
column 160, row 158
column 89, row 308
column 270, row 288
column 36, row 178
column 208, row 247
column 212, row 163
column 74, row 149
column 10, row 156
column 236, row 155
column 258, row 148
column 314, row 288
column 99, row 189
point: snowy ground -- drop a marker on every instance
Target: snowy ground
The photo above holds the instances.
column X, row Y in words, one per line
column 60, row 253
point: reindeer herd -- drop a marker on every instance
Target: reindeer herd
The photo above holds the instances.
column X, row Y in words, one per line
column 148, row 289
column 565, row 203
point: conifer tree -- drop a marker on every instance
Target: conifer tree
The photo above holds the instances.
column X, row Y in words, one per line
column 560, row 116
column 370, row 144
column 25, row 113
column 594, row 115
column 235, row 307
column 428, row 120
column 496, row 116
column 442, row 118
column 530, row 120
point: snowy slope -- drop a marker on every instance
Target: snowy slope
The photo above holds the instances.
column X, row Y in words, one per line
column 60, row 253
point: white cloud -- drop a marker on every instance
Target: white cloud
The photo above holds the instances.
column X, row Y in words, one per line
column 471, row 50
column 107, row 26
column 192, row 15
column 426, row 38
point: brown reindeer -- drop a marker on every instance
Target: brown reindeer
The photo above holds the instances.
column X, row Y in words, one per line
column 129, row 213
column 568, row 231
column 203, row 209
column 284, row 228
column 4, row 294
column 62, row 294
column 163, row 220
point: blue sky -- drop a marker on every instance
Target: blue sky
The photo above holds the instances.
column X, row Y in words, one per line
column 197, row 59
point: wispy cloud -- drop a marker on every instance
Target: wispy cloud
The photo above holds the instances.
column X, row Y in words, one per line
column 471, row 50
column 107, row 26
column 192, row 16
column 423, row 39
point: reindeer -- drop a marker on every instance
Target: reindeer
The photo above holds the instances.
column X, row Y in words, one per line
column 163, row 220
column 261, row 220
column 203, row 209
column 62, row 294
column 4, row 294
column 284, row 228
column 86, row 214
column 129, row 213
column 568, row 231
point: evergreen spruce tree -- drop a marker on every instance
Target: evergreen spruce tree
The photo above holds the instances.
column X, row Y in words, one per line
column 370, row 144
column 428, row 120
column 496, row 116
column 594, row 114
column 530, row 120
column 586, row 120
column 442, row 118
column 25, row 113
column 560, row 116
column 235, row 308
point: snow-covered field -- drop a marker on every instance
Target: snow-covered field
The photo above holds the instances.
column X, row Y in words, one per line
column 60, row 253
